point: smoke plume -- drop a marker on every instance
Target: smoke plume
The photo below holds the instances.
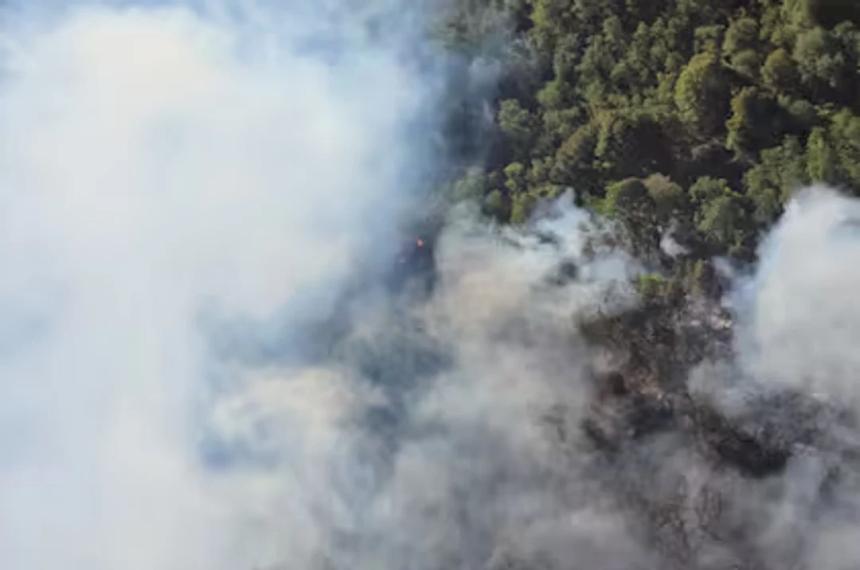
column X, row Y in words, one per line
column 222, row 346
column 171, row 174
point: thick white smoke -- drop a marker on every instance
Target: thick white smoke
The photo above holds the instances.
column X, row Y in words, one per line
column 198, row 370
column 164, row 170
column 801, row 335
column 204, row 363
column 803, row 327
column 792, row 384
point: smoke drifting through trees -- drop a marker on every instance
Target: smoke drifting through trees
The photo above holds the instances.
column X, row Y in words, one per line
column 204, row 365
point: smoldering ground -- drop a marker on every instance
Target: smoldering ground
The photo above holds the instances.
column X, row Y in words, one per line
column 206, row 364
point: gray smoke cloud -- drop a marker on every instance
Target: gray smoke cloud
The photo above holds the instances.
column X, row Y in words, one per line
column 800, row 336
column 216, row 351
column 166, row 170
column 420, row 440
column 791, row 384
column 803, row 325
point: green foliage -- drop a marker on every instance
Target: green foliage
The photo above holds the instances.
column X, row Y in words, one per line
column 707, row 189
column 845, row 137
column 746, row 63
column 518, row 125
column 824, row 68
column 757, row 121
column 769, row 183
column 651, row 286
column 703, row 114
column 522, row 203
column 701, row 94
column 741, row 35
column 629, row 202
column 497, row 206
column 575, row 159
column 820, row 157
column 780, row 72
column 724, row 222
column 578, row 151
column 833, row 153
column 628, row 198
column 701, row 277
column 631, row 144
column 554, row 95
column 515, row 177
column 669, row 198
column 708, row 38
column 522, row 207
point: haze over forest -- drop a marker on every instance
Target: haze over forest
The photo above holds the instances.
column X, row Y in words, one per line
column 429, row 284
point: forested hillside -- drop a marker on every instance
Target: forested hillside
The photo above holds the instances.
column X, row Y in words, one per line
column 690, row 124
column 302, row 285
column 695, row 117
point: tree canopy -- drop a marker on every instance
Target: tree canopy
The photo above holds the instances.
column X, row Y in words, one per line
column 700, row 114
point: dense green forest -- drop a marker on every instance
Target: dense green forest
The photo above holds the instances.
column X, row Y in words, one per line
column 699, row 117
